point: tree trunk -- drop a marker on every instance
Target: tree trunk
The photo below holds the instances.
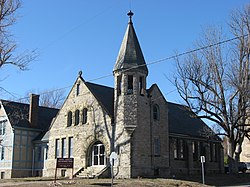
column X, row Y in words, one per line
column 232, row 164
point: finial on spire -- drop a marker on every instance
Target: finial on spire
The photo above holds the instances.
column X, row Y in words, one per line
column 79, row 73
column 130, row 14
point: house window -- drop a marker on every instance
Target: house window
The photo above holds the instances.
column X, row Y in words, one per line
column 69, row 119
column 2, row 153
column 195, row 150
column 98, row 154
column 46, row 149
column 175, row 149
column 57, row 149
column 141, row 86
column 70, row 147
column 2, row 127
column 130, row 84
column 77, row 89
column 119, row 85
column 64, row 148
column 118, row 149
column 157, row 147
column 2, row 175
column 179, row 149
column 84, row 115
column 77, row 116
column 156, row 114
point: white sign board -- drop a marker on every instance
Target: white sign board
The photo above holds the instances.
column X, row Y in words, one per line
column 113, row 157
column 202, row 159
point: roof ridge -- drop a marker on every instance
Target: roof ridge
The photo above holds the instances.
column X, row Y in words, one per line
column 16, row 102
column 26, row 104
column 99, row 85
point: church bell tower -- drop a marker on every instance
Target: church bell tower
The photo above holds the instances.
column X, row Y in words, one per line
column 131, row 108
column 130, row 73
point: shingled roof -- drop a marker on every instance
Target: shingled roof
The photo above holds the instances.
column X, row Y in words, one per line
column 181, row 120
column 18, row 114
column 130, row 54
column 104, row 94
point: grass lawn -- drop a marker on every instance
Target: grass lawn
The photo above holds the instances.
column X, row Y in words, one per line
column 185, row 181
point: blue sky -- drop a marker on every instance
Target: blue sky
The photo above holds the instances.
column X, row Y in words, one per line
column 86, row 35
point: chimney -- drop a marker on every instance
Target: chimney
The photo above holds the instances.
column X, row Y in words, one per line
column 33, row 110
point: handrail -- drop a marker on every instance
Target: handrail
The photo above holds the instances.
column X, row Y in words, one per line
column 79, row 171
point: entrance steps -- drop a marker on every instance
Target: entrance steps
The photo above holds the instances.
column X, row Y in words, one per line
column 92, row 172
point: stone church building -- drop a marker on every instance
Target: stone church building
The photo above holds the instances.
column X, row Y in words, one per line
column 151, row 136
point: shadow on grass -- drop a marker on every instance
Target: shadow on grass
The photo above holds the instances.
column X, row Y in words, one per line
column 103, row 184
column 219, row 179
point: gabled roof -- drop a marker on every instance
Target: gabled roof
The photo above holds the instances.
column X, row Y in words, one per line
column 18, row 115
column 181, row 120
column 130, row 54
column 105, row 96
column 184, row 122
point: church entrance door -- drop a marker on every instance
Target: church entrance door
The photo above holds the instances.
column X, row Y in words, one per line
column 98, row 154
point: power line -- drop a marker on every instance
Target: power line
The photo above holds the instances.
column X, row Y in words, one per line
column 151, row 63
column 77, row 27
column 173, row 56
column 189, row 52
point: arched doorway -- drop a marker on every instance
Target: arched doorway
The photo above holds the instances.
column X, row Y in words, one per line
column 98, row 157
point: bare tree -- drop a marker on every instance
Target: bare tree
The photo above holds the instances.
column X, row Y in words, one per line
column 8, row 9
column 53, row 98
column 214, row 81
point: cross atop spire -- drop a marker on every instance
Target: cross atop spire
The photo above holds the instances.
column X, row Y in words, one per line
column 130, row 14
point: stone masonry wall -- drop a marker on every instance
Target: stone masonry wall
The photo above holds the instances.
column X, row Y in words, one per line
column 157, row 132
column 97, row 128
column 136, row 147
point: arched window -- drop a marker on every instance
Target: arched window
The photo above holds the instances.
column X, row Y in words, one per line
column 130, row 84
column 69, row 119
column 77, row 117
column 119, row 85
column 142, row 89
column 84, row 116
column 156, row 112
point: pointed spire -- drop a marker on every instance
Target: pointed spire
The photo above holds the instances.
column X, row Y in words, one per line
column 130, row 54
